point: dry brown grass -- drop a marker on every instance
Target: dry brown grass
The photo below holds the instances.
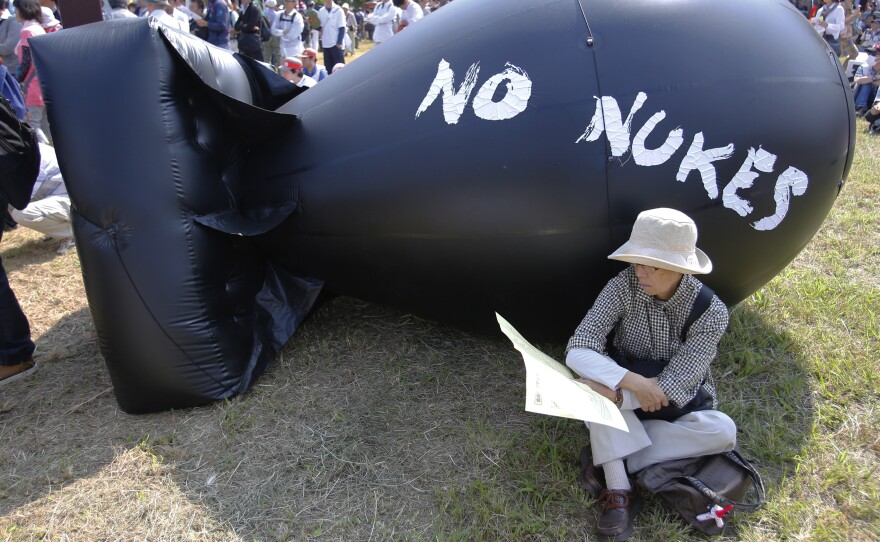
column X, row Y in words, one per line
column 349, row 435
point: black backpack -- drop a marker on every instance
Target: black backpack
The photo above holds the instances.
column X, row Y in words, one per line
column 19, row 158
column 691, row 487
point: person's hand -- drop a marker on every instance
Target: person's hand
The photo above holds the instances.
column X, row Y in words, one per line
column 601, row 389
column 651, row 397
column 201, row 22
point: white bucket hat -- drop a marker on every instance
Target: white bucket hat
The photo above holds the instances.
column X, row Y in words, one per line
column 664, row 238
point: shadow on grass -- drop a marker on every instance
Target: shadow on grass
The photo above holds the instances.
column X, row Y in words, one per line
column 31, row 252
column 371, row 424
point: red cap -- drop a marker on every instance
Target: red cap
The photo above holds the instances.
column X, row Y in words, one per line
column 293, row 63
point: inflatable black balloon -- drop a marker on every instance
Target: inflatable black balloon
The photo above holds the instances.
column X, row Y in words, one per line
column 486, row 159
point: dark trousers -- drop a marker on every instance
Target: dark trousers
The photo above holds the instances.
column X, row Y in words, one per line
column 871, row 118
column 256, row 54
column 332, row 57
column 249, row 45
column 15, row 333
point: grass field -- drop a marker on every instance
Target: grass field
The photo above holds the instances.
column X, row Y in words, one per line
column 376, row 425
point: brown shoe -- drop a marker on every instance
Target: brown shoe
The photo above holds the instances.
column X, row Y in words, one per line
column 619, row 511
column 11, row 373
column 590, row 478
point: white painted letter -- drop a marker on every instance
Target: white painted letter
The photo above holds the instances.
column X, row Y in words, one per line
column 643, row 156
column 744, row 178
column 791, row 178
column 519, row 89
column 453, row 102
column 701, row 160
column 608, row 117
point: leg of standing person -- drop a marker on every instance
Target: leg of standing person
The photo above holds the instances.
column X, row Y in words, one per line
column 332, row 57
column 16, row 347
column 267, row 50
column 37, row 121
column 256, row 54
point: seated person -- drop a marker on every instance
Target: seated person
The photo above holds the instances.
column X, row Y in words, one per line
column 647, row 306
column 311, row 67
column 871, row 36
column 49, row 209
column 867, row 78
column 292, row 70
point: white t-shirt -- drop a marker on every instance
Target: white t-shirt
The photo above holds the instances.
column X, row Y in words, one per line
column 836, row 18
column 412, row 13
column 161, row 17
column 330, row 24
column 307, row 82
column 382, row 17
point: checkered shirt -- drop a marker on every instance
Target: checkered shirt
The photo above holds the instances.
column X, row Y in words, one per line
column 648, row 328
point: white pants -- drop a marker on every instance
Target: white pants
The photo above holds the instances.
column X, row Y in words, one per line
column 315, row 36
column 38, row 120
column 653, row 441
column 49, row 216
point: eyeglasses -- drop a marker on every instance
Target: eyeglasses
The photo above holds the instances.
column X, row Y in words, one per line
column 646, row 268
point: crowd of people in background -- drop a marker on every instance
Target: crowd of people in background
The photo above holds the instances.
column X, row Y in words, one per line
column 852, row 30
column 275, row 33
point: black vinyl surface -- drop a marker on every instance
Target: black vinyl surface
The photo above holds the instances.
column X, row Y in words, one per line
column 206, row 226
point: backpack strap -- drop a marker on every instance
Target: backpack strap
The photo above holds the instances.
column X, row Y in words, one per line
column 718, row 498
column 701, row 304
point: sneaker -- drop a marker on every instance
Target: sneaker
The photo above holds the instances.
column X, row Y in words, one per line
column 11, row 373
column 619, row 511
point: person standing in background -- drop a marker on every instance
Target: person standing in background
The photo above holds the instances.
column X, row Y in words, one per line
column 119, row 10
column 10, row 33
column 332, row 34
column 248, row 27
column 216, row 20
column 410, row 13
column 272, row 46
column 30, row 15
column 382, row 18
column 289, row 27
column 314, row 26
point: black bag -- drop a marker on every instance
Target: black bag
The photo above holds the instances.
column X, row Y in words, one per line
column 265, row 29
column 650, row 368
column 692, row 486
column 19, row 158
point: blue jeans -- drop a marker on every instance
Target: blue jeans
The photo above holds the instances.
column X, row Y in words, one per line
column 863, row 95
column 15, row 333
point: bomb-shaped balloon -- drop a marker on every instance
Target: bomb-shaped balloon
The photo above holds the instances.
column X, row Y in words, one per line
column 487, row 158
